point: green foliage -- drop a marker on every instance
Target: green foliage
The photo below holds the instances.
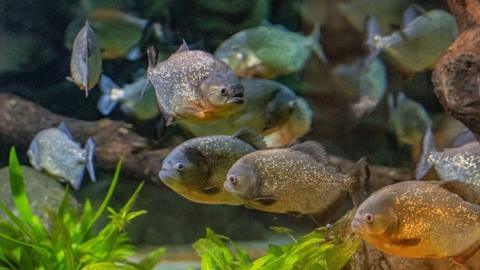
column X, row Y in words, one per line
column 67, row 241
column 312, row 251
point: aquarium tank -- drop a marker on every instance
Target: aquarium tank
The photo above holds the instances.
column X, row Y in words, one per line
column 239, row 135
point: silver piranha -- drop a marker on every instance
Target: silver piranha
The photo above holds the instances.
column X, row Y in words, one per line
column 420, row 44
column 193, row 84
column 54, row 151
column 459, row 163
column 421, row 219
column 86, row 60
column 269, row 51
column 129, row 96
column 197, row 168
column 295, row 180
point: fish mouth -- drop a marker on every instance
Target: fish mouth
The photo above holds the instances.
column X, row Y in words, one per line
column 167, row 176
column 236, row 100
column 229, row 187
column 356, row 226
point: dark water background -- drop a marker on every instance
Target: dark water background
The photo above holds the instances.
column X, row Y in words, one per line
column 171, row 218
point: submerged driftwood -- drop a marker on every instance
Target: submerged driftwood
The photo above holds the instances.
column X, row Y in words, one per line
column 456, row 76
column 20, row 120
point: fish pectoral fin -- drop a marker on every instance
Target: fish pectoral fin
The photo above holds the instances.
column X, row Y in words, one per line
column 468, row 192
column 407, row 242
column 211, row 190
column 266, row 200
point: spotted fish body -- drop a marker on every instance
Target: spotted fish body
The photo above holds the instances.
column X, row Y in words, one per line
column 460, row 163
column 205, row 162
column 268, row 51
column 288, row 180
column 420, row 220
column 54, row 151
column 185, row 82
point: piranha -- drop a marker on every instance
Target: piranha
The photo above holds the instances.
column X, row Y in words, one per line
column 296, row 180
column 297, row 125
column 129, row 96
column 54, row 151
column 272, row 109
column 389, row 13
column 459, row 163
column 409, row 119
column 86, row 61
column 420, row 44
column 197, row 168
column 421, row 219
column 193, row 84
column 269, row 51
column 368, row 83
column 118, row 33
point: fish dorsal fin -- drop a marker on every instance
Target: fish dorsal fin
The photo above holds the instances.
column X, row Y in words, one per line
column 466, row 191
column 411, row 13
column 251, row 137
column 183, row 47
column 465, row 136
column 63, row 128
column 313, row 149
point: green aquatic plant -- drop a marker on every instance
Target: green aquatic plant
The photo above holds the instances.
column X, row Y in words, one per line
column 67, row 239
column 312, row 251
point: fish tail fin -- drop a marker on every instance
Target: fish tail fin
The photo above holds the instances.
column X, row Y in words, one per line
column 90, row 151
column 361, row 175
column 372, row 28
column 317, row 47
column 106, row 104
column 428, row 146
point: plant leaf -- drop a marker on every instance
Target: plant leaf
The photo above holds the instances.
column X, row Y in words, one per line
column 17, row 187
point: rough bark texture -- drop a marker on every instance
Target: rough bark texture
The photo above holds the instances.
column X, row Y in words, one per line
column 456, row 76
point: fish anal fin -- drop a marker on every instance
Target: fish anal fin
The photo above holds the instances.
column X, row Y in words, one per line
column 313, row 149
column 251, row 137
column 466, row 191
column 266, row 200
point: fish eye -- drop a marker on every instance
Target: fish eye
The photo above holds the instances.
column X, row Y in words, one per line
column 368, row 218
column 179, row 167
column 224, row 91
column 232, row 179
